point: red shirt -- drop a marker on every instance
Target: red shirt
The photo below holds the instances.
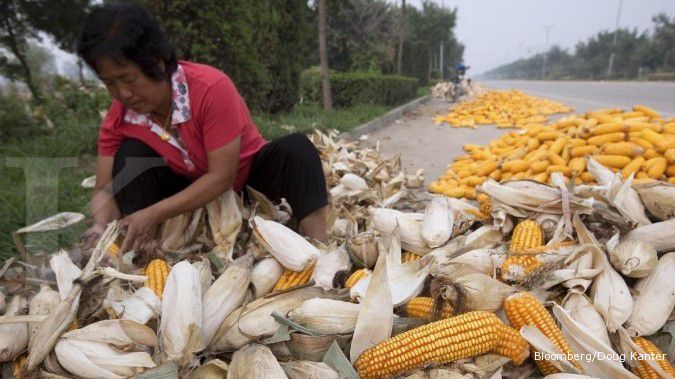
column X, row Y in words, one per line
column 208, row 114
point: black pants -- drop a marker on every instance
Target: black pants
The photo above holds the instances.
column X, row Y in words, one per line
column 287, row 167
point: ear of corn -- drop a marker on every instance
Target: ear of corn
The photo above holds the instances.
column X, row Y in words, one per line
column 356, row 276
column 409, row 257
column 157, row 271
column 512, row 345
column 523, row 309
column 612, row 161
column 467, row 335
column 643, row 370
column 526, row 234
column 423, row 307
column 522, row 258
column 290, row 279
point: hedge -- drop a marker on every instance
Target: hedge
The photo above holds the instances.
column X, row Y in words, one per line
column 352, row 88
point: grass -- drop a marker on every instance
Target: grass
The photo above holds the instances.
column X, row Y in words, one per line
column 74, row 138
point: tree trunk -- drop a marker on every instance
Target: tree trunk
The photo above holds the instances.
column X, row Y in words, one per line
column 323, row 56
column 80, row 72
column 399, row 62
column 21, row 57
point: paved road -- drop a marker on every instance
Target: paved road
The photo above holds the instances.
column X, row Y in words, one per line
column 432, row 147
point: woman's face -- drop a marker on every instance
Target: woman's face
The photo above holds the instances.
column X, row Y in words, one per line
column 128, row 84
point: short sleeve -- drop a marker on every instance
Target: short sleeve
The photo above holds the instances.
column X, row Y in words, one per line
column 109, row 138
column 222, row 116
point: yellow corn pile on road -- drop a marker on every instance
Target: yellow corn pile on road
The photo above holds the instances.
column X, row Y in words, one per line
column 507, row 109
column 636, row 142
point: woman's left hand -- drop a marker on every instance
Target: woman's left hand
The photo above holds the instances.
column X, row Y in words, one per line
column 141, row 226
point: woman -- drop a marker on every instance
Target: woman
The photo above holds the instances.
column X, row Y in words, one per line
column 178, row 134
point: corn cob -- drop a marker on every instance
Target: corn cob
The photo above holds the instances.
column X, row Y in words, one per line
column 539, row 166
column 607, row 128
column 522, row 258
column 577, row 164
column 606, row 138
column 643, row 370
column 113, row 250
column 512, row 345
column 467, row 335
column 632, row 167
column 523, row 309
column 628, row 149
column 356, row 276
column 646, row 111
column 556, row 159
column 581, row 151
column 670, row 155
column 409, row 257
column 526, row 234
column 657, row 168
column 612, row 161
column 515, row 166
column 156, row 271
column 670, row 171
column 291, row 278
column 423, row 307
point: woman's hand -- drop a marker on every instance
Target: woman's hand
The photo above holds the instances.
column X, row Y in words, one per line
column 141, row 226
column 91, row 237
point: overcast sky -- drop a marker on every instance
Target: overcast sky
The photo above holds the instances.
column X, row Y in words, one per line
column 499, row 31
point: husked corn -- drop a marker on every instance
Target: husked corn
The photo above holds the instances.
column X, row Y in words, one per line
column 643, row 370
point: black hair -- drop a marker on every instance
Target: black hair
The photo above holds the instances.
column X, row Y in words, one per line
column 126, row 31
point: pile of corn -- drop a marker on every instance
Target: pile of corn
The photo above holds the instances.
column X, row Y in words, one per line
column 637, row 142
column 443, row 289
column 506, row 109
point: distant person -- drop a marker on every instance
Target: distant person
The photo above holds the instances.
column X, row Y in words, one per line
column 192, row 118
column 460, row 71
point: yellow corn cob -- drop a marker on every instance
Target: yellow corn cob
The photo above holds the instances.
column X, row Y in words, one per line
column 646, row 111
column 557, row 160
column 423, row 307
column 577, row 142
column 657, row 168
column 409, row 257
column 566, row 154
column 606, row 138
column 622, row 148
column 512, row 345
column 643, row 180
column 523, row 309
column 612, row 161
column 607, row 128
column 487, row 168
column 566, row 171
column 533, row 143
column 548, row 136
column 670, row 156
column 156, row 271
column 671, row 180
column 496, row 175
column 558, row 145
column 521, row 261
column 581, row 151
column 113, row 250
column 541, row 177
column 670, row 171
column 643, row 143
column 669, row 128
column 651, row 136
column 515, row 166
column 665, row 144
column 470, row 193
column 291, row 278
column 577, row 164
column 455, row 192
column 643, row 370
column 526, row 234
column 356, row 276
column 632, row 167
column 475, row 180
column 463, row 336
column 539, row 166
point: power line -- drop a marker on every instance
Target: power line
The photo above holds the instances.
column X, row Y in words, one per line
column 616, row 34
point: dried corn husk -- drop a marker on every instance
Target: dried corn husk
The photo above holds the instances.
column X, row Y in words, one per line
column 626, row 200
column 225, row 295
column 376, row 317
column 14, row 337
column 487, row 236
column 475, row 292
column 349, row 185
column 58, row 221
column 2, row 300
column 107, row 349
column 482, row 260
column 601, row 174
column 288, row 247
column 548, row 223
column 265, row 275
column 178, row 231
column 224, row 214
column 211, row 369
column 180, row 328
column 363, row 249
column 205, row 274
column 633, row 258
column 308, row 370
column 582, row 341
column 582, row 311
column 661, row 235
column 142, row 306
column 658, row 198
column 655, row 298
column 405, row 282
column 438, row 221
column 386, row 220
column 326, row 315
column 254, row 321
column 329, row 264
column 254, row 362
column 43, row 303
column 543, row 344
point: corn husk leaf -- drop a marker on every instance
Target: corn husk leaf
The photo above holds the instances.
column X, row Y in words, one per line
column 327, row 315
column 43, row 303
column 58, row 221
column 363, row 249
column 386, row 220
column 328, row 265
column 633, row 258
column 225, row 295
column 265, row 275
column 541, row 343
column 254, row 362
column 582, row 341
column 658, row 198
column 438, row 221
column 224, row 214
column 661, row 235
column 376, row 317
column 655, row 298
column 88, row 359
column 475, row 292
column 405, row 282
column 141, row 306
column 289, row 248
column 180, row 328
column 308, row 370
column 14, row 337
column 583, row 312
column 626, row 200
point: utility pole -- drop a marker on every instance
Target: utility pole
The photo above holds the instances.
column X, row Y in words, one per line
column 616, row 34
column 543, row 63
column 440, row 60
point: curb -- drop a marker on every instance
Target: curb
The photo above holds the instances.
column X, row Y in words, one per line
column 386, row 119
